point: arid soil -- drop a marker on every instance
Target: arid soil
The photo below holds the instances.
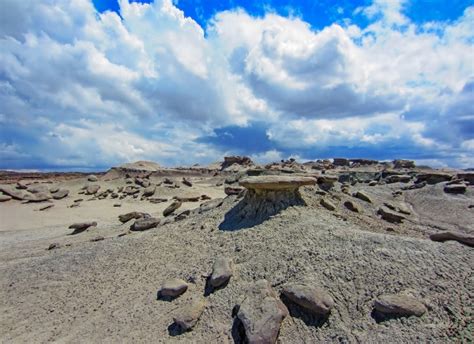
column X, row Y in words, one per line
column 100, row 285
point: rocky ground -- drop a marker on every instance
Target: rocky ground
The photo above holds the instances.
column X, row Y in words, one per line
column 351, row 252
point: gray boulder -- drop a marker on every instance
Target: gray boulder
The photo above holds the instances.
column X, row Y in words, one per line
column 81, row 227
column 188, row 315
column 221, row 272
column 172, row 288
column 397, row 305
column 313, row 299
column 144, row 224
column 261, row 313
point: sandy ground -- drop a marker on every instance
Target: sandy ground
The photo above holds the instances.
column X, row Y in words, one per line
column 105, row 291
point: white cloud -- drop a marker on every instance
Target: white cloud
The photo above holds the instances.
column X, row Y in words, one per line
column 148, row 84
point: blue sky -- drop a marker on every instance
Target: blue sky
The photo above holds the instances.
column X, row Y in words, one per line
column 88, row 84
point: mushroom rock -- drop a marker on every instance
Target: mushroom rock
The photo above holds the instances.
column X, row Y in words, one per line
column 265, row 196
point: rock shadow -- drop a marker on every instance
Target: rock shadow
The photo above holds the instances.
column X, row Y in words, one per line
column 237, row 331
column 380, row 317
column 258, row 206
column 160, row 297
column 309, row 318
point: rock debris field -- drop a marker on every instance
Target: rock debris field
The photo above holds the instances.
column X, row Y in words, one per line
column 329, row 251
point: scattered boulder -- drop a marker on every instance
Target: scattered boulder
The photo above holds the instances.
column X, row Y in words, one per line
column 398, row 305
column 60, row 194
column 373, row 183
column 172, row 288
column 313, row 299
column 171, row 208
column 182, row 215
column 53, row 246
column 21, row 185
column 143, row 224
column 128, row 181
column 209, row 205
column 133, row 215
column 168, row 181
column 4, row 198
column 363, row 196
column 455, row 188
column 81, row 227
column 229, row 191
column 149, row 191
column 221, row 272
column 261, row 313
column 187, row 199
column 156, row 200
column 327, row 204
column 38, row 188
column 92, row 189
column 187, row 316
column 463, row 238
column 390, row 216
column 92, row 178
column 131, row 190
column 45, row 207
column 352, row 206
column 54, row 189
column 38, row 197
column 187, row 182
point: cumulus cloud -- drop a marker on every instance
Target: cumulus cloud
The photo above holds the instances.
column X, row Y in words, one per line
column 82, row 88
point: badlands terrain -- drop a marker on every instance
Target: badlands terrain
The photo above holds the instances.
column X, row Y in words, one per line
column 329, row 251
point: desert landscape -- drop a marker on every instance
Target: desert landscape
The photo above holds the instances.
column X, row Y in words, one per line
column 337, row 250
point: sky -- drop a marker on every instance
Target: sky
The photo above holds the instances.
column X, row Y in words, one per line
column 89, row 84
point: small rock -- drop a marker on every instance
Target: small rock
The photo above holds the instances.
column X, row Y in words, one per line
column 133, row 215
column 327, row 204
column 187, row 182
column 463, row 238
column 46, row 207
column 156, row 200
column 53, row 246
column 54, row 189
column 172, row 288
column 221, row 272
column 373, row 183
column 313, row 299
column 397, row 305
column 171, row 208
column 143, row 224
column 390, row 216
column 455, row 188
column 92, row 178
column 149, row 191
column 4, row 198
column 99, row 238
column 363, row 196
column 229, row 191
column 187, row 316
column 92, row 189
column 60, row 194
column 182, row 215
column 209, row 205
column 117, row 205
column 21, row 185
column 129, row 181
column 81, row 227
column 352, row 206
column 205, row 197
